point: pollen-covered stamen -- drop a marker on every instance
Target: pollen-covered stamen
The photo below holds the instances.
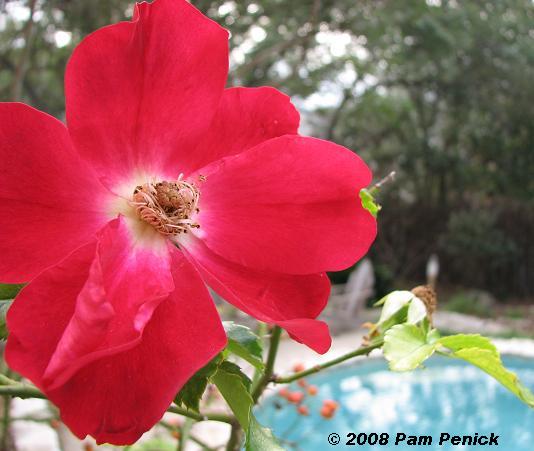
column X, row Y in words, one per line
column 167, row 206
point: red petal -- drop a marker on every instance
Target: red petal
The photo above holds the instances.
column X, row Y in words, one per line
column 292, row 302
column 139, row 94
column 122, row 283
column 289, row 205
column 127, row 280
column 50, row 201
column 41, row 312
column 245, row 117
column 115, row 398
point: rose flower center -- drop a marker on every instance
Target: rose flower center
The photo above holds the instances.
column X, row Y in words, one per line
column 167, row 206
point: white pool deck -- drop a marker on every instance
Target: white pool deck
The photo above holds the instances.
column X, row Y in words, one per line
column 31, row 436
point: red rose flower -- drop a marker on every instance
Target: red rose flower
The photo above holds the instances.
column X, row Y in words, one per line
column 162, row 180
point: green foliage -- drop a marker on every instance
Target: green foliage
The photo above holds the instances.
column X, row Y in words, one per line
column 478, row 239
column 4, row 307
column 9, row 291
column 470, row 303
column 260, row 438
column 406, row 346
column 462, row 341
column 33, row 72
column 369, row 203
column 244, row 343
column 479, row 351
column 515, row 312
column 477, row 234
column 235, row 388
column 233, row 384
column 398, row 307
column 396, row 301
column 191, row 393
column 400, row 316
column 491, row 363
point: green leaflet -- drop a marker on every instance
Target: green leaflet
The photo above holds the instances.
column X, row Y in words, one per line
column 462, row 341
column 406, row 346
column 369, row 203
column 244, row 343
column 9, row 291
column 235, row 386
column 192, row 391
column 260, row 438
column 4, row 307
column 479, row 351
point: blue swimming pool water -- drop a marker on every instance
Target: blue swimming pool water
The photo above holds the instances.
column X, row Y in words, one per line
column 447, row 396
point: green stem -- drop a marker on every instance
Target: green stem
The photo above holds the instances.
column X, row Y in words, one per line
column 6, row 422
column 376, row 187
column 4, row 380
column 235, row 438
column 236, row 434
column 179, row 442
column 21, row 391
column 185, row 433
column 5, row 442
column 191, row 437
column 34, row 420
column 16, row 389
column 261, row 332
column 315, row 369
column 221, row 417
column 269, row 365
column 273, row 349
column 200, row 443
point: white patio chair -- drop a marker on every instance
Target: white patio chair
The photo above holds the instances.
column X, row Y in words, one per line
column 348, row 300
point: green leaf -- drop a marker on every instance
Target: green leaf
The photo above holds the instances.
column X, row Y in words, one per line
column 4, row 307
column 394, row 302
column 260, row 438
column 399, row 317
column 245, row 344
column 369, row 203
column 9, row 291
column 232, row 368
column 479, row 351
column 490, row 363
column 192, row 391
column 235, row 389
column 462, row 341
column 406, row 346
